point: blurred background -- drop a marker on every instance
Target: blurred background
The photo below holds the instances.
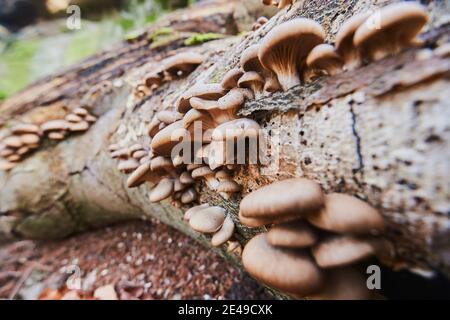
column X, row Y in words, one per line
column 35, row 40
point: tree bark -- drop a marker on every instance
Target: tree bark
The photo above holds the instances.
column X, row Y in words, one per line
column 381, row 133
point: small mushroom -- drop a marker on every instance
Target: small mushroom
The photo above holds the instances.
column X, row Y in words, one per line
column 55, row 135
column 182, row 63
column 211, row 91
column 262, row 20
column 189, row 213
column 25, row 128
column 13, row 142
column 5, row 152
column 344, row 40
column 168, row 116
column 139, row 154
column 30, row 138
column 207, row 220
column 135, row 147
column 253, row 81
column 188, row 196
column 163, row 142
column 128, row 166
column 139, row 176
column 79, row 126
column 324, row 57
column 400, row 23
column 287, row 270
column 234, row 247
column 55, row 125
column 80, row 112
column 346, row 214
column 227, row 187
column 236, row 129
column 294, row 234
column 206, row 173
column 224, row 233
column 186, row 178
column 284, row 3
column 272, row 85
column 231, row 78
column 73, row 118
column 153, row 127
column 249, row 59
column 121, row 153
column 162, row 190
column 336, row 251
column 161, row 163
column 288, row 199
column 113, row 147
column 284, row 49
column 7, row 165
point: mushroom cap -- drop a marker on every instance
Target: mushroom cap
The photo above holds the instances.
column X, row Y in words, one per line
column 399, row 23
column 120, row 153
column 212, row 91
column 163, row 142
column 25, row 128
column 186, row 178
column 232, row 100
column 251, row 79
column 239, row 128
column 249, row 59
column 54, row 125
column 254, row 222
column 80, row 111
column 231, row 78
column 73, row 118
column 324, row 56
column 190, row 212
column 272, row 85
column 336, row 251
column 161, row 163
column 286, row 199
column 344, row 37
column 29, row 138
column 287, row 45
column 208, row 220
column 193, row 166
column 223, row 175
column 138, row 175
column 343, row 284
column 139, row 154
column 135, row 147
column 153, row 126
column 189, row 196
column 56, row 135
column 287, row 270
column 294, row 234
column 79, row 126
column 153, row 79
column 90, row 118
column 224, row 233
column 346, row 214
column 128, row 166
column 229, row 186
column 194, row 115
column 201, row 172
column 168, row 116
column 162, row 191
column 262, row 20
column 13, row 142
column 184, row 61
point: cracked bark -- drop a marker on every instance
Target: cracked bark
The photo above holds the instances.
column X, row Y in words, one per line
column 380, row 133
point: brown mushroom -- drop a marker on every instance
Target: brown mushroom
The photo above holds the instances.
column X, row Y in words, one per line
column 284, row 49
column 324, row 57
column 206, row 173
column 283, row 200
column 163, row 142
column 208, row 220
column 400, row 23
column 189, row 195
column 287, row 270
column 346, row 214
column 25, row 128
column 225, row 232
column 128, row 166
column 253, row 81
column 211, row 91
column 162, row 190
column 189, row 213
column 168, row 116
column 182, row 63
column 231, row 78
column 294, row 234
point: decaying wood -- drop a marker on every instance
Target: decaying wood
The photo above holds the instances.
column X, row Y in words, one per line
column 381, row 132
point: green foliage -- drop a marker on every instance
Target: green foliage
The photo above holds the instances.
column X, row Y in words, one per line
column 200, row 38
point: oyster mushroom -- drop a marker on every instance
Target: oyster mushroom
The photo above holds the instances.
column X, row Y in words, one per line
column 211, row 91
column 225, row 232
column 139, row 176
column 189, row 213
column 206, row 173
column 182, row 63
column 153, row 127
column 287, row 270
column 336, row 251
column 79, row 126
column 162, row 190
column 128, row 166
column 188, row 196
column 208, row 220
column 165, row 164
column 164, row 141
column 400, row 23
column 324, row 57
column 231, row 78
column 344, row 40
column 168, row 117
column 253, row 81
column 25, row 128
column 13, row 142
column 284, row 49
column 294, row 234
column 284, row 200
column 346, row 214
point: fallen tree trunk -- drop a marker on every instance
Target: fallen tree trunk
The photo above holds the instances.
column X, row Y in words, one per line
column 381, row 132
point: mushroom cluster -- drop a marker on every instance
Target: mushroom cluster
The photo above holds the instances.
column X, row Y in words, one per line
column 26, row 137
column 314, row 242
column 373, row 36
column 212, row 220
column 174, row 67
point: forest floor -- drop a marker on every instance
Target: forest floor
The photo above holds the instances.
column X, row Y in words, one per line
column 136, row 260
